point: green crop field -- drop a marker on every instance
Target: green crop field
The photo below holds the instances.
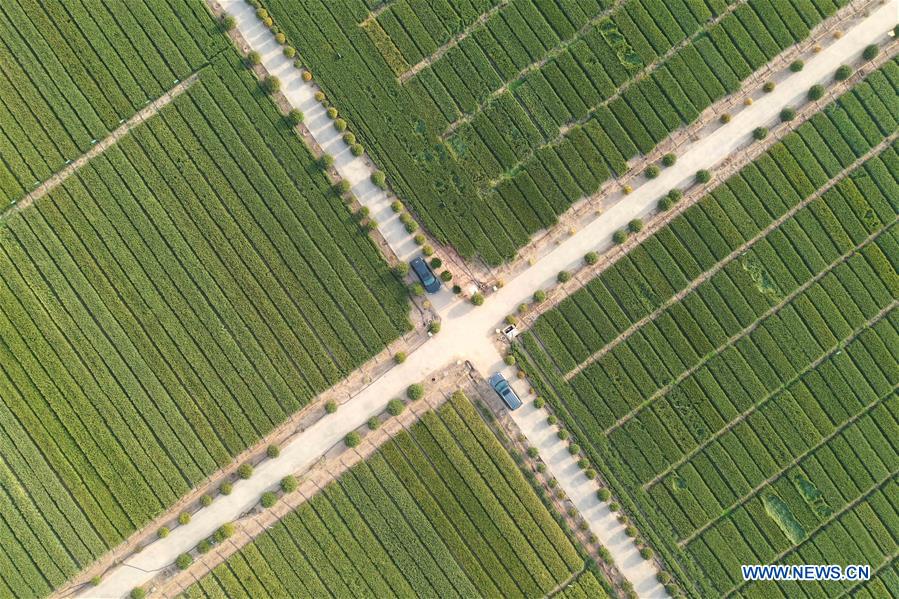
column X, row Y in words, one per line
column 440, row 510
column 490, row 118
column 165, row 307
column 755, row 418
column 71, row 71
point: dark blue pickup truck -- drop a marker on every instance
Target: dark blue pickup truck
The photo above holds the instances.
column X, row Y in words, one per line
column 425, row 275
column 505, row 391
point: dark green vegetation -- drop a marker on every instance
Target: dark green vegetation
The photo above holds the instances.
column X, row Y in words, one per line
column 169, row 304
column 71, row 71
column 438, row 511
column 538, row 104
column 755, row 419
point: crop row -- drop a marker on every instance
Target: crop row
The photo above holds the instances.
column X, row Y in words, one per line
column 439, row 509
column 762, row 403
column 734, row 213
column 509, row 141
column 164, row 308
column 72, row 71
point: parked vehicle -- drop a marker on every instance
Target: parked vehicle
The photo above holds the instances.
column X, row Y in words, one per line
column 425, row 275
column 505, row 391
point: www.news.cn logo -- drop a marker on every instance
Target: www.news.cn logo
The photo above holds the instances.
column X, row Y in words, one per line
column 806, row 572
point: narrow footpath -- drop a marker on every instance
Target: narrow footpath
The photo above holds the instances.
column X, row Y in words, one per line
column 468, row 332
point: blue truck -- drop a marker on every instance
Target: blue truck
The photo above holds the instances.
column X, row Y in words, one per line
column 505, row 391
column 425, row 275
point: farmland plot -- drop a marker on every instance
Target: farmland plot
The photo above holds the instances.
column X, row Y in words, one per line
column 755, row 419
column 440, row 510
column 71, row 72
column 492, row 126
column 160, row 311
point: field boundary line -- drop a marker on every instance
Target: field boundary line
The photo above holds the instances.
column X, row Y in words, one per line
column 452, row 42
column 727, row 260
column 138, row 118
column 537, row 64
column 783, row 470
column 877, row 486
column 313, row 481
column 731, row 165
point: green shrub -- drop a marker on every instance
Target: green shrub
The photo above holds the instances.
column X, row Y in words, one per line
column 206, row 500
column 768, row 87
column 647, row 553
column 183, row 561
column 703, row 176
column 401, row 270
column 271, row 85
column 419, row 239
column 374, row 423
column 357, row 150
column 614, row 506
column 533, row 452
column 787, row 114
column 563, row 434
column 871, row 51
column 319, row 96
column 591, row 258
column 509, row 360
column 272, row 451
column 417, row 289
column 583, row 463
column 226, row 488
column 245, row 471
column 349, row 139
column 604, row 495
column 223, row 532
column 724, row 118
column 619, row 236
column 95, row 581
column 254, row 58
column 477, row 299
column 163, row 532
column 340, row 125
column 411, row 225
column 326, row 161
column 541, row 467
column 669, row 159
column 331, row 406
column 652, row 171
column 395, row 407
column 228, row 22
column 760, row 133
column 294, row 117
column 184, row 518
column 415, row 391
column 590, row 473
column 631, row 531
column 280, row 38
column 635, row 226
column 352, row 439
column 664, row 204
column 379, row 179
column 396, row 206
column 446, row 276
column 434, row 327
column 204, row 546
column 539, row 296
column 564, row 276
column 816, row 92
column 289, row 484
column 574, row 449
column 663, row 577
column 137, row 593
column 268, row 499
column 843, row 72
column 332, row 113
column 290, row 51
column 539, row 402
column 399, row 357
column 797, row 65
column 427, row 250
column 436, row 263
column 552, row 419
column 343, row 186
